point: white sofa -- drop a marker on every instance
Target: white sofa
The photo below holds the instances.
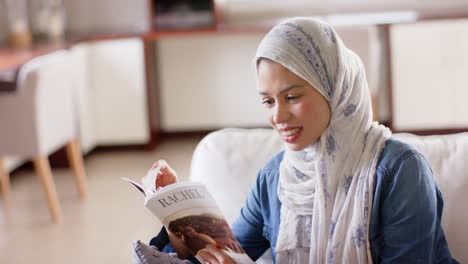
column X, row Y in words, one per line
column 227, row 161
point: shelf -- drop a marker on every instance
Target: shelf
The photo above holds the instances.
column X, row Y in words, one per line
column 219, row 29
column 12, row 59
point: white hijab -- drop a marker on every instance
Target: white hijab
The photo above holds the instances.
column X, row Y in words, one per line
column 326, row 190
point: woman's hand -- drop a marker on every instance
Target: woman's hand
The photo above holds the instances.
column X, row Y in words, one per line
column 213, row 255
column 232, row 245
column 166, row 174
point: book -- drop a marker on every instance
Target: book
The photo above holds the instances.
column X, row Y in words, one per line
column 189, row 212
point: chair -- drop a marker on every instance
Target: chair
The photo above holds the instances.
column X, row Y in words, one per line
column 38, row 119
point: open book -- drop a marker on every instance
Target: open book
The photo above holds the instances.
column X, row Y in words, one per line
column 190, row 213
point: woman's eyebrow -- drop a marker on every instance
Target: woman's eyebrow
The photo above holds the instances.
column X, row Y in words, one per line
column 284, row 90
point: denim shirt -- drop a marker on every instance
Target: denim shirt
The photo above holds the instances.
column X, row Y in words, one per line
column 406, row 211
column 405, row 222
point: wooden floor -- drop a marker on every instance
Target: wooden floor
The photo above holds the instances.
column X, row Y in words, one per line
column 99, row 229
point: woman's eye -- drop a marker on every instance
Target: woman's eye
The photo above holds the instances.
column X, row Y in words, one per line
column 292, row 97
column 268, row 102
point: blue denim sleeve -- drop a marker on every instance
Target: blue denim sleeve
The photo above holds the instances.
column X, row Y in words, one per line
column 248, row 228
column 409, row 212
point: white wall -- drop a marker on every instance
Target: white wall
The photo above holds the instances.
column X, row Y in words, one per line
column 103, row 16
column 107, row 16
column 258, row 11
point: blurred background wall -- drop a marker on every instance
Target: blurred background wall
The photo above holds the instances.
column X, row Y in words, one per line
column 89, row 16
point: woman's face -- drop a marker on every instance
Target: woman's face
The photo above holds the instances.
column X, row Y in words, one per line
column 296, row 110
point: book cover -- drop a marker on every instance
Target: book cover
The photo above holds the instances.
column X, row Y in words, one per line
column 190, row 213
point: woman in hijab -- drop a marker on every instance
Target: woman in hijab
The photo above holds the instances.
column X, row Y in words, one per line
column 343, row 190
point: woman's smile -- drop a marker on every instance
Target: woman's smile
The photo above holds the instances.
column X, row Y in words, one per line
column 290, row 134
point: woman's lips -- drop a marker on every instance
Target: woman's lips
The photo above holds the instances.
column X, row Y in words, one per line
column 290, row 135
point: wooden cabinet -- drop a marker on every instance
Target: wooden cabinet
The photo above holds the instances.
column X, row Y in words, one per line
column 207, row 81
column 117, row 76
column 111, row 92
column 429, row 65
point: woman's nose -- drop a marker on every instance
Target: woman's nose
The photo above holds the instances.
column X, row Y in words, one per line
column 281, row 114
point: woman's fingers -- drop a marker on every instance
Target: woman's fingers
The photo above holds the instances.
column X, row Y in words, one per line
column 231, row 245
column 220, row 256
column 213, row 255
column 236, row 247
column 157, row 164
column 206, row 257
column 166, row 174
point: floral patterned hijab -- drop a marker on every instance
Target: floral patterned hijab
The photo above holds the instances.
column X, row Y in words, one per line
column 326, row 189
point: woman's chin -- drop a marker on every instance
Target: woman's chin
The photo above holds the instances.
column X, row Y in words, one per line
column 299, row 145
column 296, row 146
